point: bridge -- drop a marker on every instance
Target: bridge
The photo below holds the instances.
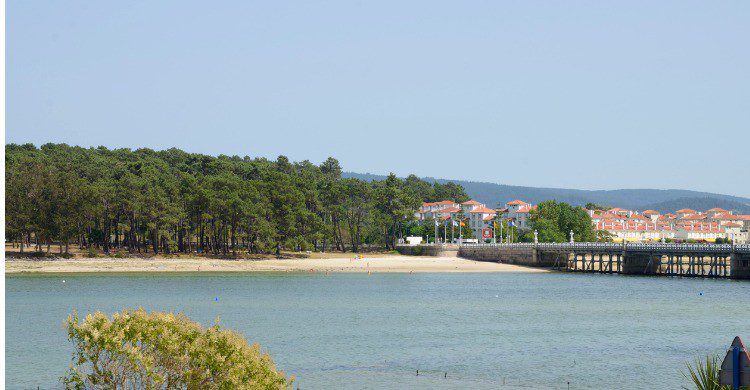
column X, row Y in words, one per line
column 669, row 259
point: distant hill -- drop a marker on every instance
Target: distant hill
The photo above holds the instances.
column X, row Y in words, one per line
column 639, row 199
column 700, row 204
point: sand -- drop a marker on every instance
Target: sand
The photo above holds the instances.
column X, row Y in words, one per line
column 374, row 264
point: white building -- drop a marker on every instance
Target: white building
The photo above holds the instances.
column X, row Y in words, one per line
column 683, row 225
column 434, row 210
column 700, row 232
column 518, row 212
column 481, row 218
column 475, row 214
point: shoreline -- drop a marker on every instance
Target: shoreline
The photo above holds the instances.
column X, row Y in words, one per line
column 373, row 264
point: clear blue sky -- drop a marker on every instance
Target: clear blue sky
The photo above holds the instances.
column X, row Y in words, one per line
column 591, row 95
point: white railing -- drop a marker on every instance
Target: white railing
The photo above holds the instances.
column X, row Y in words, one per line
column 428, row 244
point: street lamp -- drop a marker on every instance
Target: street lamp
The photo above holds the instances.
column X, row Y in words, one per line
column 436, row 228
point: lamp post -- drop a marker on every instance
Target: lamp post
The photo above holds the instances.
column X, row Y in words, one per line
column 445, row 231
column 453, row 225
column 436, row 228
column 501, row 229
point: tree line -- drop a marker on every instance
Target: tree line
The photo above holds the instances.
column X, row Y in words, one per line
column 172, row 201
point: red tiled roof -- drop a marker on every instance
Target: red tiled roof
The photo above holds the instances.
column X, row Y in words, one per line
column 717, row 209
column 605, row 216
column 468, row 202
column 699, row 228
column 483, row 210
column 685, row 211
column 449, row 210
column 442, row 202
column 650, row 212
column 632, row 226
column 517, row 202
column 732, row 224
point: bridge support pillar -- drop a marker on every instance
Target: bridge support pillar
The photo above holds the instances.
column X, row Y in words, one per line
column 739, row 267
column 640, row 264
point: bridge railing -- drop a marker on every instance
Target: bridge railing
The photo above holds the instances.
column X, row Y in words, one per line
column 440, row 244
column 610, row 246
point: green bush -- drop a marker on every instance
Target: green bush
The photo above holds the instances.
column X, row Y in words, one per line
column 705, row 374
column 136, row 349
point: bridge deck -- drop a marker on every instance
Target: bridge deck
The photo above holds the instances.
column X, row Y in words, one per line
column 699, row 260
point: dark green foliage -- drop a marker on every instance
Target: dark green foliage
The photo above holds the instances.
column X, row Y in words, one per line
column 554, row 221
column 604, row 236
column 176, row 202
column 594, row 206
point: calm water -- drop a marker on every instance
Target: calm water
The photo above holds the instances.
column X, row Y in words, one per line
column 360, row 331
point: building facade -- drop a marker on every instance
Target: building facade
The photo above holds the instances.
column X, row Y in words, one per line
column 682, row 225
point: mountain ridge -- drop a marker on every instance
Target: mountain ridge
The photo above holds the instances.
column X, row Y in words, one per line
column 639, row 198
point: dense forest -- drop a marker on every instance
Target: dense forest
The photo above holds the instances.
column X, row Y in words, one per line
column 173, row 201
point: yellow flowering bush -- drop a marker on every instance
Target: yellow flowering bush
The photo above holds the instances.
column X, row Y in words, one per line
column 139, row 350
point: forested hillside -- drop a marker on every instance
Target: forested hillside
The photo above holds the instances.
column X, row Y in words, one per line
column 639, row 199
column 172, row 201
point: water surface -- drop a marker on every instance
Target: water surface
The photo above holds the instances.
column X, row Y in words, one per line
column 485, row 330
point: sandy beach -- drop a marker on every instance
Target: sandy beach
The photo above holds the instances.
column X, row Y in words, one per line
column 377, row 263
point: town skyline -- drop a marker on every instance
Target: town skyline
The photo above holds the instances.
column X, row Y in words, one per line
column 620, row 224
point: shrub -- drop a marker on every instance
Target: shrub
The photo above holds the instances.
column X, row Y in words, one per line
column 136, row 349
column 705, row 374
